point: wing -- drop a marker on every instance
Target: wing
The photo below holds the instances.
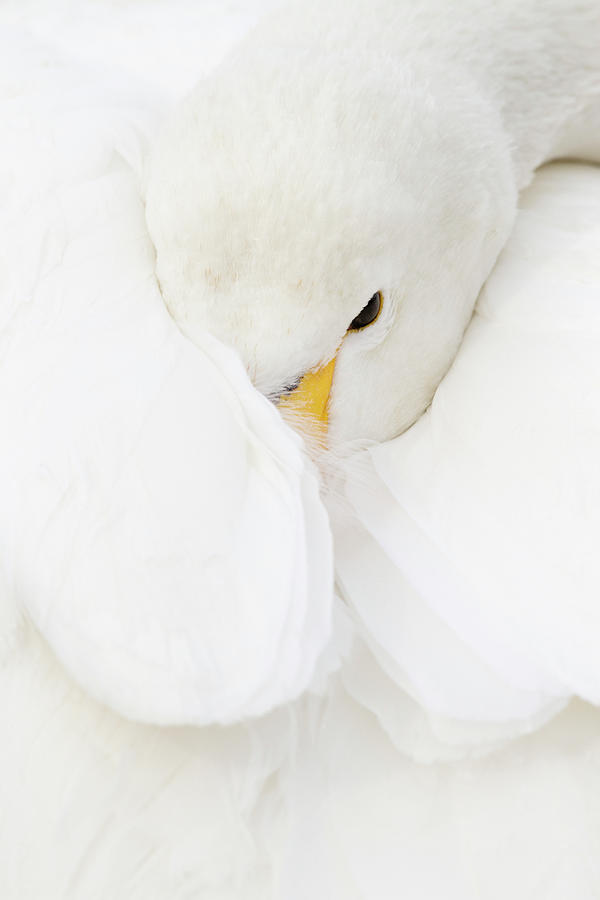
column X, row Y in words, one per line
column 160, row 524
column 473, row 568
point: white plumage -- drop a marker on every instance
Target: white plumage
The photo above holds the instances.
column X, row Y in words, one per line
column 161, row 529
column 484, row 517
column 146, row 467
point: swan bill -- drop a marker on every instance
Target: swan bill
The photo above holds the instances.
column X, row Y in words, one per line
column 311, row 397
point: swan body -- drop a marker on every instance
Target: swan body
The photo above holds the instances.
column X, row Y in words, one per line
column 348, row 148
column 142, row 475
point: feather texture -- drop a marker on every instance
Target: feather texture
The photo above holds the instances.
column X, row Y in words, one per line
column 165, row 554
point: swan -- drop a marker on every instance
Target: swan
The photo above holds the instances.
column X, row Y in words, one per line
column 115, row 432
column 336, row 192
column 307, row 175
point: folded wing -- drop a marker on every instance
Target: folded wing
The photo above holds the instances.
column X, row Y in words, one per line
column 481, row 524
column 160, row 524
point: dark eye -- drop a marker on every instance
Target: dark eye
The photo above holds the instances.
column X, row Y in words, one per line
column 368, row 313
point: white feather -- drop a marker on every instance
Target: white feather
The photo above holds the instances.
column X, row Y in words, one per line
column 139, row 473
column 483, row 520
column 161, row 527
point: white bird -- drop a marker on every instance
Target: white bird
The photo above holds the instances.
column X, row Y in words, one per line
column 468, row 567
column 394, row 175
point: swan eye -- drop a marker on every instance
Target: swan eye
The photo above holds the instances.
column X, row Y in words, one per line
column 368, row 313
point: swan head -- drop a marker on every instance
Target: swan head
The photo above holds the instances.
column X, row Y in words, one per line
column 336, row 224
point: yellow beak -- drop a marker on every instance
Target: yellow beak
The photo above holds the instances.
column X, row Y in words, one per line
column 311, row 397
